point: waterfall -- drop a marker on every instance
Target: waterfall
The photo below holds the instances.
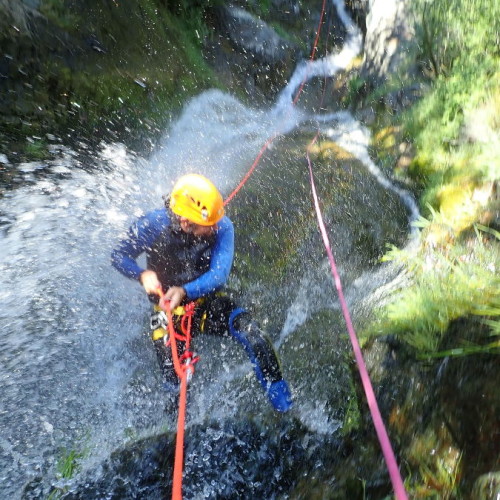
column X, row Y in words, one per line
column 77, row 369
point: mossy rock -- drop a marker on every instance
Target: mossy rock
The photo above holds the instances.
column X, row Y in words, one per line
column 96, row 75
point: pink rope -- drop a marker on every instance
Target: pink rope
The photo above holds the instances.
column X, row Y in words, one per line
column 385, row 444
column 397, row 482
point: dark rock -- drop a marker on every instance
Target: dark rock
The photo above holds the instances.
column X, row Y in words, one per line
column 223, row 460
column 249, row 54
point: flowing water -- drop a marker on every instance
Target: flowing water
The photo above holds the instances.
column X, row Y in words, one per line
column 77, row 369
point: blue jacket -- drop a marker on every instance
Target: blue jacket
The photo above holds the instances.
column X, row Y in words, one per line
column 142, row 235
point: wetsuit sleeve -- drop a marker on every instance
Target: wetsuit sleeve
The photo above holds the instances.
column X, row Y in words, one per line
column 220, row 263
column 140, row 236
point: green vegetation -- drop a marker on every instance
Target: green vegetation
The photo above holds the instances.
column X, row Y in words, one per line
column 58, row 13
column 455, row 134
column 352, row 418
column 37, row 149
column 446, row 147
column 98, row 77
column 445, row 36
column 464, row 64
column 67, row 466
column 449, row 285
column 150, row 73
column 193, row 15
column 440, row 474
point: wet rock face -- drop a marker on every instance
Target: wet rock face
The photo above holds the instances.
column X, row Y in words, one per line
column 250, row 35
column 469, row 399
column 18, row 13
column 442, row 412
column 223, row 460
column 30, row 46
column 248, row 54
column 285, row 10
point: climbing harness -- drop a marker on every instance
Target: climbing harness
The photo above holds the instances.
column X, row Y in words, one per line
column 184, row 368
column 158, row 323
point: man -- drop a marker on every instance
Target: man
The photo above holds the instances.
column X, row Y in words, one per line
column 189, row 247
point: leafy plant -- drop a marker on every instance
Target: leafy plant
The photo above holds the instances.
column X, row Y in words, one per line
column 58, row 12
column 36, row 150
column 445, row 286
column 443, row 29
column 67, row 466
column 464, row 66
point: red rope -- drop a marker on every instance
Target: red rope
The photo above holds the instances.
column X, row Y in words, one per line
column 313, row 51
column 252, row 168
column 184, row 368
column 270, row 140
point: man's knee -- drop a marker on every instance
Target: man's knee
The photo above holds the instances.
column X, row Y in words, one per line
column 250, row 329
column 217, row 315
column 257, row 343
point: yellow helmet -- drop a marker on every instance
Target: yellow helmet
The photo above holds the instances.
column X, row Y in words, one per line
column 197, row 199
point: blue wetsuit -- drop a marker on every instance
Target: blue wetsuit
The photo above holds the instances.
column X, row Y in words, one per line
column 142, row 236
column 201, row 266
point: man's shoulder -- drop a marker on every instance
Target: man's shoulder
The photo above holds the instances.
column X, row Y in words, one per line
column 225, row 224
column 157, row 214
column 154, row 219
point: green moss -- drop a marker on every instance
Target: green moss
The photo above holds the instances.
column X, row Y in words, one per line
column 355, row 89
column 101, row 78
column 352, row 418
column 280, row 222
column 36, row 149
column 58, row 13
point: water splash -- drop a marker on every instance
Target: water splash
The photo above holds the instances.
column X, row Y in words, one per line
column 75, row 365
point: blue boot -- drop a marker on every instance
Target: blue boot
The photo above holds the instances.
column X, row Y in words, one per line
column 280, row 396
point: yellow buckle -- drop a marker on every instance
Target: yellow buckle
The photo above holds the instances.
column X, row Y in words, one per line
column 158, row 334
column 178, row 311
